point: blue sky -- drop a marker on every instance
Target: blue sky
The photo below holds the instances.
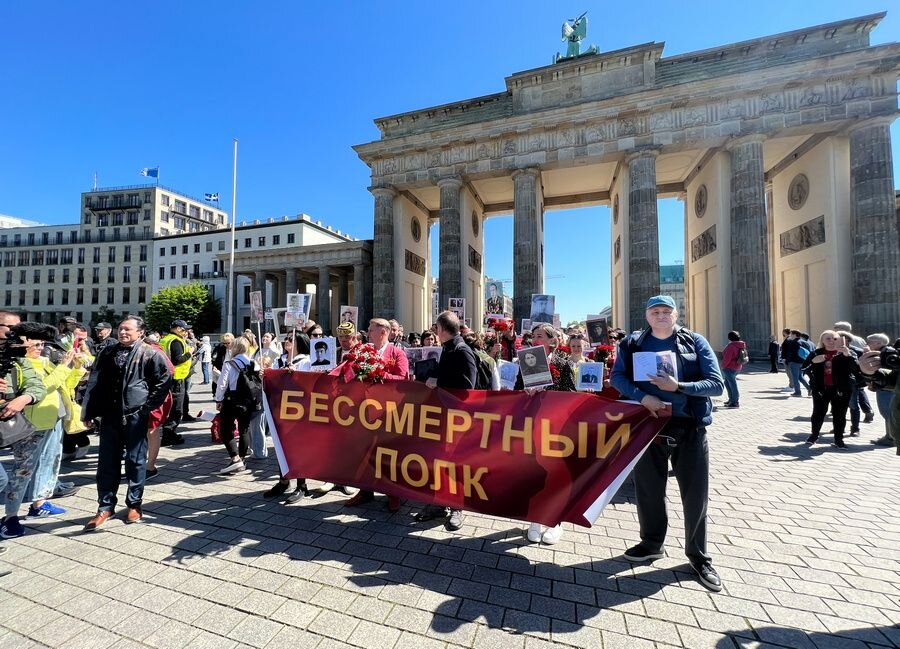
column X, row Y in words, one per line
column 112, row 87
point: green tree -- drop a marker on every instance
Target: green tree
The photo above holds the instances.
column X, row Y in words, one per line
column 189, row 302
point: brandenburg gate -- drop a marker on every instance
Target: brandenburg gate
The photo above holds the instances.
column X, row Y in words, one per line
column 779, row 147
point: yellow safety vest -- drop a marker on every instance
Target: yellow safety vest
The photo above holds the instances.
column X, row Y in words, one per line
column 182, row 369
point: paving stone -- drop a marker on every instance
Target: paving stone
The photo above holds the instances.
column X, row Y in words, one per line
column 373, row 636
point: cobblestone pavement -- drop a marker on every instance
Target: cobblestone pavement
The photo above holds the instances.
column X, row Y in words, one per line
column 807, row 541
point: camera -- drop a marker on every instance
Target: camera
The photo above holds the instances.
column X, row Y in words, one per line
column 12, row 346
column 890, row 357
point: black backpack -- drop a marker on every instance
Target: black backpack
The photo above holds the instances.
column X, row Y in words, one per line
column 247, row 394
column 483, row 374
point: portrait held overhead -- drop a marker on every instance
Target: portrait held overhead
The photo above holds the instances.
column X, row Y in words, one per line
column 590, row 340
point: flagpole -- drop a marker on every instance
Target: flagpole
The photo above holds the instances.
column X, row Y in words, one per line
column 231, row 289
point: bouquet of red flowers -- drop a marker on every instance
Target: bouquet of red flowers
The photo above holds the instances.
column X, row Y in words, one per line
column 502, row 325
column 362, row 363
column 604, row 354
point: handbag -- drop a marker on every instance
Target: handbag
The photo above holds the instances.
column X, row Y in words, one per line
column 15, row 429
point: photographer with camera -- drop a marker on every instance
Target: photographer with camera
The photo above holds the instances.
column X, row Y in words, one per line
column 21, row 387
column 882, row 370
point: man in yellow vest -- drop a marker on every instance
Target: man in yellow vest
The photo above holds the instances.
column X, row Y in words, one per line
column 179, row 353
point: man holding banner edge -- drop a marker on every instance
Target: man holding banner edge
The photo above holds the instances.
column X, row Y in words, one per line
column 683, row 439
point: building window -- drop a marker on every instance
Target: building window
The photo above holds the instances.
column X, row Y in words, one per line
column 126, row 295
column 222, row 245
column 196, row 247
column 172, row 271
column 111, row 274
column 50, row 296
column 164, row 200
column 126, row 274
column 22, row 297
column 96, row 255
column 79, row 296
column 87, row 201
column 276, row 239
column 101, row 235
column 65, row 275
column 142, row 273
column 291, row 237
column 45, row 238
column 146, row 215
column 221, row 219
column 180, row 207
column 207, row 215
column 132, row 218
column 110, row 295
column 196, row 270
column 118, row 218
column 164, row 216
column 22, row 279
column 248, row 242
column 9, row 298
column 24, row 258
column 95, row 275
column 179, row 223
column 36, row 297
column 81, row 255
column 142, row 294
column 51, row 275
column 247, row 294
column 262, row 242
column 59, row 237
column 184, row 271
column 195, row 212
column 37, row 277
column 87, row 218
column 127, row 254
column 64, row 298
column 80, row 279
column 9, row 277
column 37, row 258
column 148, row 197
column 209, row 246
column 184, row 250
column 162, row 251
column 52, row 257
column 162, row 272
column 102, row 220
column 73, row 236
column 112, row 254
column 31, row 238
column 143, row 253
column 86, row 238
column 67, row 256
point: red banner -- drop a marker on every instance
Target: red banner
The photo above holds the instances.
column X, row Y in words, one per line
column 546, row 458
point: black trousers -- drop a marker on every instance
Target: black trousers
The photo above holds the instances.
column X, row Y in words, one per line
column 177, row 411
column 118, row 433
column 839, row 402
column 690, row 462
column 774, row 361
column 236, row 446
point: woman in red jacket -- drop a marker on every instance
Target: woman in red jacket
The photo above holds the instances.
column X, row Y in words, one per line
column 833, row 369
column 731, row 365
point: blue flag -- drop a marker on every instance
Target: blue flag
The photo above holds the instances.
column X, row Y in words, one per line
column 212, row 197
column 152, row 173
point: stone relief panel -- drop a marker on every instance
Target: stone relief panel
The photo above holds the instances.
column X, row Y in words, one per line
column 474, row 259
column 616, row 209
column 703, row 244
column 476, row 225
column 798, row 191
column 806, row 235
column 617, row 248
column 414, row 263
column 415, row 229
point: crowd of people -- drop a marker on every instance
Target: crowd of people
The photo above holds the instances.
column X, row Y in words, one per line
column 133, row 390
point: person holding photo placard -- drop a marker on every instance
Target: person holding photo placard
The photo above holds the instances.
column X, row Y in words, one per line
column 683, row 439
column 546, row 336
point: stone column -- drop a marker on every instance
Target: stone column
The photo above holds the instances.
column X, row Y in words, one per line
column 343, row 291
column 450, row 255
column 383, row 252
column 323, row 299
column 361, row 296
column 875, row 266
column 751, row 312
column 643, row 230
column 291, row 281
column 528, row 241
column 770, row 243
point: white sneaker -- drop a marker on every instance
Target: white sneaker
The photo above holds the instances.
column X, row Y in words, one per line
column 234, row 467
column 325, row 487
column 534, row 533
column 552, row 535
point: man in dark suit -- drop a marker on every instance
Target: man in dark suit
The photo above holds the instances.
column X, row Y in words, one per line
column 457, row 369
column 541, row 311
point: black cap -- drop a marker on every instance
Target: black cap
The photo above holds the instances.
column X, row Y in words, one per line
column 102, row 325
column 69, row 320
column 180, row 323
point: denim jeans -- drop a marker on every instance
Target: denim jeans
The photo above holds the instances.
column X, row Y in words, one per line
column 258, row 434
column 205, row 368
column 25, row 457
column 43, row 480
column 883, row 399
column 734, row 395
column 116, row 433
column 797, row 378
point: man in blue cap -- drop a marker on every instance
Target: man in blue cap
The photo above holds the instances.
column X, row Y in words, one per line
column 683, row 439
